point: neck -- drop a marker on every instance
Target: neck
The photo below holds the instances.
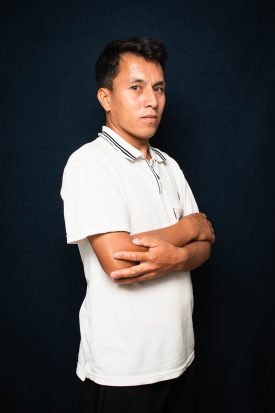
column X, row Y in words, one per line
column 142, row 144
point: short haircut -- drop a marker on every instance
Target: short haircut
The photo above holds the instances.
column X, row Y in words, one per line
column 107, row 64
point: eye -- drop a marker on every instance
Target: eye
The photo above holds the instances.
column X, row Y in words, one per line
column 159, row 89
column 135, row 87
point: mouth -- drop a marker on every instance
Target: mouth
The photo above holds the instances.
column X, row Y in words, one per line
column 149, row 117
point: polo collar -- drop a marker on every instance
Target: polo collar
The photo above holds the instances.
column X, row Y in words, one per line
column 127, row 150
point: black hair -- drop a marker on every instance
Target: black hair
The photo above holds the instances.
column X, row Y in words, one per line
column 107, row 64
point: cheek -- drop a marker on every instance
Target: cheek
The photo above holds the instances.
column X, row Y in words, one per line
column 126, row 105
column 162, row 103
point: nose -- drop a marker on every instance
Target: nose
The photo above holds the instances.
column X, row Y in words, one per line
column 150, row 98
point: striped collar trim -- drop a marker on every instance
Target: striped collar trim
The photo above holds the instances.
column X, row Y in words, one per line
column 156, row 154
column 127, row 150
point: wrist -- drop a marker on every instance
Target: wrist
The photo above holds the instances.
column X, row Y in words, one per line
column 191, row 230
column 182, row 256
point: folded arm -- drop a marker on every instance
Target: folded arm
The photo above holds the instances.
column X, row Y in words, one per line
column 161, row 257
column 192, row 227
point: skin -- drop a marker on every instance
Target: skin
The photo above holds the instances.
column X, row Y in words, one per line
column 135, row 105
column 161, row 258
column 114, row 250
column 134, row 109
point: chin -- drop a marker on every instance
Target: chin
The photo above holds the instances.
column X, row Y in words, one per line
column 149, row 132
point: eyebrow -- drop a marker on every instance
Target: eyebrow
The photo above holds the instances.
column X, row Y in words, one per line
column 159, row 83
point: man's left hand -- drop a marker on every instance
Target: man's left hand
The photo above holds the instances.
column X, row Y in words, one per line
column 161, row 258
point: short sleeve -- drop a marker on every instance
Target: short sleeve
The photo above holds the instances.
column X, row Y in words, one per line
column 93, row 202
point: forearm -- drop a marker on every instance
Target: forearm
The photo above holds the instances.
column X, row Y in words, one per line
column 192, row 227
column 193, row 255
column 161, row 258
column 179, row 234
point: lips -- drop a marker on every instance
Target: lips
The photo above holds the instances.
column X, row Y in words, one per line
column 149, row 117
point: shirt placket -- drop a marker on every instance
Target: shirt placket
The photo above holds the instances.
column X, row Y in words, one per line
column 151, row 165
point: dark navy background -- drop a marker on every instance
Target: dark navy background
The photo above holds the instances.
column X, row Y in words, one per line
column 218, row 124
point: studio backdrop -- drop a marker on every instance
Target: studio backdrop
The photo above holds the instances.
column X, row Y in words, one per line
column 218, row 124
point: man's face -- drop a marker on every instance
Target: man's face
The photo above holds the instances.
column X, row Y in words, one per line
column 136, row 103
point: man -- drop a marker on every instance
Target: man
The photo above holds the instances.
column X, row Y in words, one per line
column 130, row 210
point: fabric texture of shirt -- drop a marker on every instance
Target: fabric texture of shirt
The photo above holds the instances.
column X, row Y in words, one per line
column 139, row 333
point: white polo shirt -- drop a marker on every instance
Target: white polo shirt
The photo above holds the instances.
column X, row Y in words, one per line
column 139, row 333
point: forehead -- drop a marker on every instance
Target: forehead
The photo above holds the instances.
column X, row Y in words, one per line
column 131, row 65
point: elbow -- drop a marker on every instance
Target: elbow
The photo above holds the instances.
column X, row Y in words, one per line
column 115, row 265
column 208, row 249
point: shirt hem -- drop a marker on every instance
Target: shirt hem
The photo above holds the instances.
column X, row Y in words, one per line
column 134, row 381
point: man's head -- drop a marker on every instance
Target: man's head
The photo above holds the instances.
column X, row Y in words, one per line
column 107, row 64
column 130, row 77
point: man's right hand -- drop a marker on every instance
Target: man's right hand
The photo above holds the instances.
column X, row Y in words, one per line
column 202, row 227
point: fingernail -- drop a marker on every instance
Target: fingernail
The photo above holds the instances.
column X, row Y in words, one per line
column 135, row 240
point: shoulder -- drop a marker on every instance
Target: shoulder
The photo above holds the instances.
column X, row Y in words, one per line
column 90, row 151
column 94, row 154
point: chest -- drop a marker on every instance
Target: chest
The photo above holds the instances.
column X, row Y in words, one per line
column 151, row 194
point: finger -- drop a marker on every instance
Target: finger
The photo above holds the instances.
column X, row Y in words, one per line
column 126, row 281
column 133, row 280
column 210, row 226
column 131, row 256
column 146, row 242
column 134, row 271
column 209, row 222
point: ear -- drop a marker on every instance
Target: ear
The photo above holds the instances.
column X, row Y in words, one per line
column 103, row 96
